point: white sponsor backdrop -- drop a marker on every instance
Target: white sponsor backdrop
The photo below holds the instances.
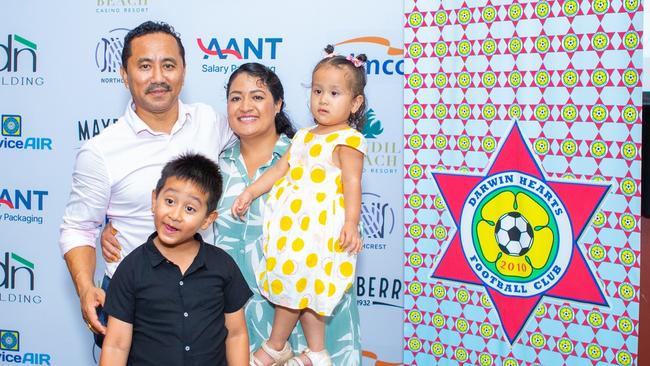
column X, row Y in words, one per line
column 59, row 86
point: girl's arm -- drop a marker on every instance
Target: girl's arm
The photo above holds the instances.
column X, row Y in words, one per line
column 116, row 346
column 351, row 169
column 237, row 339
column 262, row 185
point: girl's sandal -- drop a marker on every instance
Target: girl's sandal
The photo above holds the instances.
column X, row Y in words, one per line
column 320, row 358
column 279, row 357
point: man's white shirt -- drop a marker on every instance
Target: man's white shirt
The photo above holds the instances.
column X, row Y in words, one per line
column 116, row 171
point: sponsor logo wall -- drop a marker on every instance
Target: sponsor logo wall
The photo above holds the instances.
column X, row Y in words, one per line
column 57, row 95
column 522, row 182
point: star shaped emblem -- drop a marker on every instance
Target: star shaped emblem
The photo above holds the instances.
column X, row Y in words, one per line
column 517, row 234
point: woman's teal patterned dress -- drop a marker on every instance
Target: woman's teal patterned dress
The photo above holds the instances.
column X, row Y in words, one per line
column 242, row 240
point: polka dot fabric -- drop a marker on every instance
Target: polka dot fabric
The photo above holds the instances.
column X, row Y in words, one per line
column 304, row 265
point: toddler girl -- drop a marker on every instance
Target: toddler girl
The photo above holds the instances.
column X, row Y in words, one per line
column 311, row 220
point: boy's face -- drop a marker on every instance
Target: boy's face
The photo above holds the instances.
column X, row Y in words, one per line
column 180, row 210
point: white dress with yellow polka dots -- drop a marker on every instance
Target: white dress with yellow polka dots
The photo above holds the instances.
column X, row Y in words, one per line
column 303, row 264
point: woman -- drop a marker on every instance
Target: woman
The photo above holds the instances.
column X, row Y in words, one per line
column 255, row 113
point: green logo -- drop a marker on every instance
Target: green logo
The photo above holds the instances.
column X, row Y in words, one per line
column 629, row 150
column 415, row 19
column 569, row 78
column 439, row 291
column 464, row 142
column 542, row 44
column 597, row 253
column 489, row 144
column 515, row 45
column 570, row 42
column 440, row 49
column 464, row 111
column 569, row 112
column 541, row 146
column 415, row 171
column 598, row 149
column 542, row 9
column 542, row 78
column 489, row 46
column 441, row 17
column 464, row 16
column 415, row 141
column 514, row 111
column 628, row 186
column 630, row 114
column 440, row 141
column 631, row 5
column 537, row 340
column 372, row 128
column 464, row 47
column 415, row 111
column 489, row 14
column 565, row 346
column 630, row 77
column 415, row 288
column 464, row 79
column 415, row 50
column 594, row 352
column 542, row 112
column 570, row 8
column 569, row 147
column 440, row 111
column 441, row 80
column 489, row 79
column 631, row 40
column 600, row 41
column 599, row 113
column 514, row 79
column 600, row 6
column 415, row 230
column 489, row 111
column 515, row 11
column 415, row 81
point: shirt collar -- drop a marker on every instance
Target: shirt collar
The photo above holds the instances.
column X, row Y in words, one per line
column 138, row 125
column 234, row 152
column 156, row 258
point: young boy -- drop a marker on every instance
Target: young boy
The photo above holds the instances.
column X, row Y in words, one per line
column 176, row 300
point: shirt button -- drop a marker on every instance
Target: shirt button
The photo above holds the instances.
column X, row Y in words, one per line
column 241, row 251
column 185, row 314
column 181, row 283
column 187, row 348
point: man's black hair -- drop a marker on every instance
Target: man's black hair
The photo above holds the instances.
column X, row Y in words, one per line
column 149, row 27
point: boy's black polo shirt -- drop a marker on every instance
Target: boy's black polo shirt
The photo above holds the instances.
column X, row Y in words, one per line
column 177, row 319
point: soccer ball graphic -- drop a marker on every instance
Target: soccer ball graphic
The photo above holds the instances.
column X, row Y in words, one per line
column 514, row 234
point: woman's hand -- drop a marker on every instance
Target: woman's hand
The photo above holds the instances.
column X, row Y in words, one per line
column 350, row 238
column 110, row 247
column 241, row 204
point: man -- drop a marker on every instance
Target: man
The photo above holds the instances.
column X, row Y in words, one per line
column 114, row 171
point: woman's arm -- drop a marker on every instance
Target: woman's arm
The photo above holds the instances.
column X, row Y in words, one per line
column 237, row 339
column 262, row 185
column 351, row 168
column 116, row 346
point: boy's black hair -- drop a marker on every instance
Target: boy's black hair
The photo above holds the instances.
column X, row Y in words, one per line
column 145, row 28
column 197, row 169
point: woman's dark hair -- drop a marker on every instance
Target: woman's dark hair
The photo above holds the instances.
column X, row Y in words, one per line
column 272, row 82
column 356, row 66
column 145, row 28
